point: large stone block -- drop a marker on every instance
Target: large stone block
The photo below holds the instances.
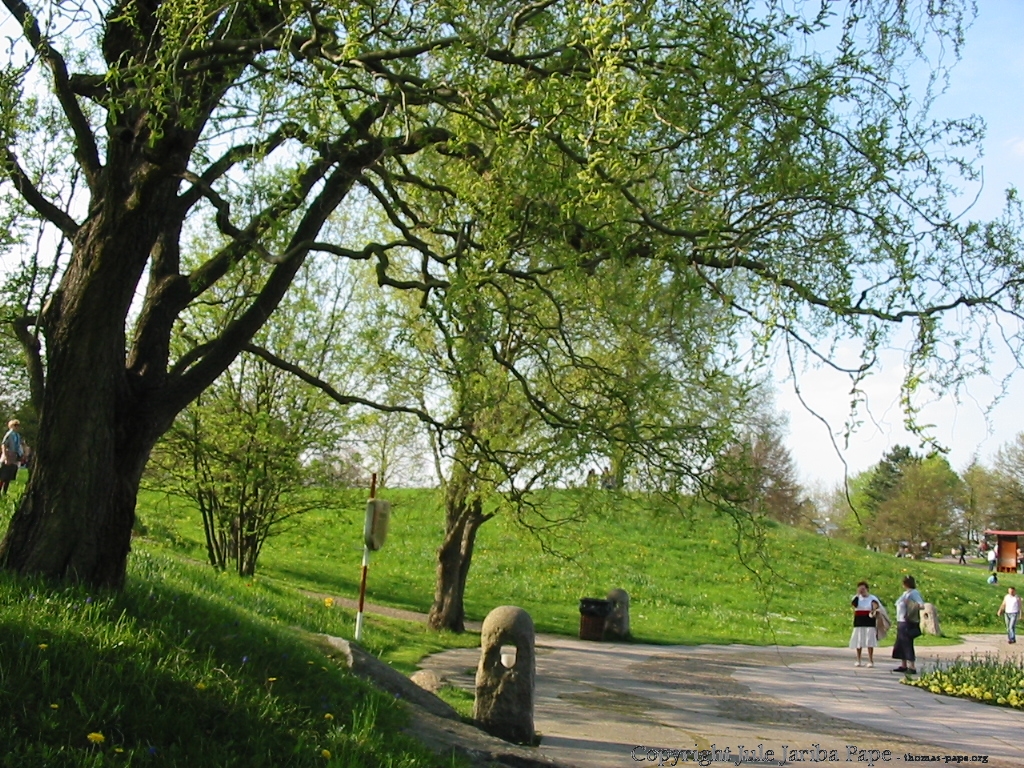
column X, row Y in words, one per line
column 505, row 681
column 616, row 624
column 930, row 620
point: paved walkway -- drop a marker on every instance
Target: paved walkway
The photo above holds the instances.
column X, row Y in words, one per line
column 597, row 702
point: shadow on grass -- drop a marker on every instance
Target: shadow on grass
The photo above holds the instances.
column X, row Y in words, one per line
column 170, row 673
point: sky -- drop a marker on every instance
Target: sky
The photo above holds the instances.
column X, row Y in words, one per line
column 988, row 81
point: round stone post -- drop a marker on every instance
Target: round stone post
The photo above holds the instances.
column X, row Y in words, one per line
column 616, row 625
column 505, row 678
column 930, row 620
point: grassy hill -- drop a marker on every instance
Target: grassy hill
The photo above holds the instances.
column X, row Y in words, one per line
column 186, row 667
column 690, row 576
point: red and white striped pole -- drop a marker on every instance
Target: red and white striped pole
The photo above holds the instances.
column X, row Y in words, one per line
column 366, row 566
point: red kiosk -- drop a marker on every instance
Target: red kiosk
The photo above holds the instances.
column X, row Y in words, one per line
column 1007, row 548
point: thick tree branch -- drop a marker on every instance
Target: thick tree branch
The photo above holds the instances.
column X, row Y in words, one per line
column 218, row 355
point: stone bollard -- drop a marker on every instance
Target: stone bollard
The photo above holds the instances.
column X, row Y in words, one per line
column 504, row 694
column 930, row 620
column 616, row 625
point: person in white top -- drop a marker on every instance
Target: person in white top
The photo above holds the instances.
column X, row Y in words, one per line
column 864, row 634
column 1010, row 611
column 993, row 556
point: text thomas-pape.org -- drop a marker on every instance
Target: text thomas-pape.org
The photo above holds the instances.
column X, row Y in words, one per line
column 786, row 755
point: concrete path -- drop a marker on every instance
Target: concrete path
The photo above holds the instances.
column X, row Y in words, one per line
column 596, row 703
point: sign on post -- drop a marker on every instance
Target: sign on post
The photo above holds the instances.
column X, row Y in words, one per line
column 375, row 531
column 375, row 527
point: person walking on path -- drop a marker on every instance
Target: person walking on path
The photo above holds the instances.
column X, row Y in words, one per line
column 963, row 555
column 865, row 635
column 12, row 450
column 993, row 555
column 1009, row 609
column 908, row 626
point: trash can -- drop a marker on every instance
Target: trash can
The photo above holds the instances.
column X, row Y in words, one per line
column 593, row 611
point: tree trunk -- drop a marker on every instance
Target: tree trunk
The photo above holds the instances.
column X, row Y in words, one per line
column 97, row 424
column 463, row 518
column 75, row 520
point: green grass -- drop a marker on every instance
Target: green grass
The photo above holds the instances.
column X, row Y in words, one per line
column 683, row 571
column 189, row 668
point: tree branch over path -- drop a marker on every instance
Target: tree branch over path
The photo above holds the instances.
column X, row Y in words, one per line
column 521, row 176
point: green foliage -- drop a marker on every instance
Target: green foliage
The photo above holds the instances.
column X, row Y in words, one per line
column 980, row 500
column 237, row 454
column 906, row 500
column 258, row 448
column 923, row 507
column 1007, row 486
column 884, row 479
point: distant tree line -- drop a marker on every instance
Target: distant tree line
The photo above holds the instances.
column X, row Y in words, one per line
column 909, row 499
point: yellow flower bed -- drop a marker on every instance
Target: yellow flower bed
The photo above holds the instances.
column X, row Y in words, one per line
column 987, row 679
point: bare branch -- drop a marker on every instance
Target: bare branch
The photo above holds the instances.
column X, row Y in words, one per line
column 86, row 151
column 235, row 155
column 35, row 198
column 331, row 392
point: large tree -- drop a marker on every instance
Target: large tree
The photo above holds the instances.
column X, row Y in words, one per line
column 720, row 144
column 1006, row 488
column 923, row 507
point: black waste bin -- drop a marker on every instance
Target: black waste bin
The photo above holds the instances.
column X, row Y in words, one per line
column 593, row 611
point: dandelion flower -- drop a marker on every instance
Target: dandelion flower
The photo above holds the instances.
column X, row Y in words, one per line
column 200, row 686
column 271, row 679
column 96, row 738
column 325, row 753
column 328, row 716
column 43, row 646
column 119, row 750
column 329, row 602
column 55, row 706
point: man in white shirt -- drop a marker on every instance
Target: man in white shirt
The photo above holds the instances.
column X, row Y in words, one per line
column 1010, row 611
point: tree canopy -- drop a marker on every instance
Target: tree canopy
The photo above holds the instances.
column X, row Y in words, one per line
column 771, row 168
